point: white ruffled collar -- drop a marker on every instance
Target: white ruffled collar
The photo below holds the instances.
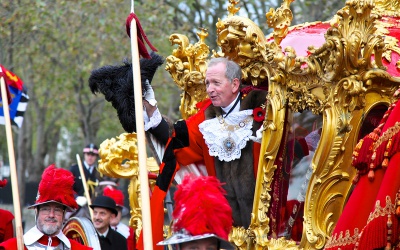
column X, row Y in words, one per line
column 226, row 137
column 33, row 235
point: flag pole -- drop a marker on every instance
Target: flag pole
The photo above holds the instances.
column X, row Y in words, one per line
column 85, row 188
column 141, row 138
column 13, row 168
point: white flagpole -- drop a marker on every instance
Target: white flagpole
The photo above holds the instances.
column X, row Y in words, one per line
column 13, row 168
column 85, row 187
column 141, row 138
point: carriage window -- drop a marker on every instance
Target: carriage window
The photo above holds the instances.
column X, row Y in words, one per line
column 301, row 143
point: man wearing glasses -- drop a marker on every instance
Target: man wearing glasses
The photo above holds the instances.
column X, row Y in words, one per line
column 55, row 197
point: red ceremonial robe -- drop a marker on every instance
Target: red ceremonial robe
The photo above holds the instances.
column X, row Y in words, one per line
column 187, row 146
column 369, row 219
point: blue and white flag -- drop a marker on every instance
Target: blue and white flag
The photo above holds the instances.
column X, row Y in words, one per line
column 18, row 98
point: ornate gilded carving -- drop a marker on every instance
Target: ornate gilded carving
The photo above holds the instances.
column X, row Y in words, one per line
column 388, row 7
column 118, row 156
column 242, row 40
column 187, row 66
column 280, row 20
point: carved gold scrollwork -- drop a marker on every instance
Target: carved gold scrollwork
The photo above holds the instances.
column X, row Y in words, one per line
column 187, row 66
column 118, row 156
column 241, row 40
column 280, row 20
column 388, row 7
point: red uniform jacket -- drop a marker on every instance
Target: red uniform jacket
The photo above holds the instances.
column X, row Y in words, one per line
column 11, row 244
column 6, row 225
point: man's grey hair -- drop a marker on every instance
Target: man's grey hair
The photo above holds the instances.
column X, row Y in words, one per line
column 233, row 70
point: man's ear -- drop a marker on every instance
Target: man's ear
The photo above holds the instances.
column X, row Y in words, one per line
column 236, row 85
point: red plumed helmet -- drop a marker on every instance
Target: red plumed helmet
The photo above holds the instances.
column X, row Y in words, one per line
column 117, row 196
column 201, row 211
column 3, row 183
column 56, row 186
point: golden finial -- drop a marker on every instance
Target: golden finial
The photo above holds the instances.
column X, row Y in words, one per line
column 203, row 33
column 232, row 9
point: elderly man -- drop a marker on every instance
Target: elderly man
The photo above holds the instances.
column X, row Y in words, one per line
column 55, row 197
column 224, row 135
column 104, row 211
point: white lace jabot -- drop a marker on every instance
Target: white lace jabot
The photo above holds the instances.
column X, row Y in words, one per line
column 226, row 137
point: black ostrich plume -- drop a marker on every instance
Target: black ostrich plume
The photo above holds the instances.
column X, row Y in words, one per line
column 115, row 82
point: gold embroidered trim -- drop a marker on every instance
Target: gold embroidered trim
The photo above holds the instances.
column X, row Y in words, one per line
column 389, row 133
column 390, row 208
column 338, row 240
column 348, row 239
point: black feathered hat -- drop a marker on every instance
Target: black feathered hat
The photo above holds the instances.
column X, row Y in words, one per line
column 116, row 84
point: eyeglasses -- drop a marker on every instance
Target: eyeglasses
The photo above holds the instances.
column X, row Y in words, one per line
column 46, row 210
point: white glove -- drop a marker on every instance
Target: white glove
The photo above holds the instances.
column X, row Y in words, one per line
column 258, row 136
column 81, row 200
column 149, row 94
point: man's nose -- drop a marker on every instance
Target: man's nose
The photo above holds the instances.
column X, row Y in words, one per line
column 209, row 89
column 52, row 212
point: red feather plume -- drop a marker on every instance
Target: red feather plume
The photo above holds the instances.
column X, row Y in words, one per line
column 57, row 185
column 3, row 183
column 115, row 194
column 201, row 207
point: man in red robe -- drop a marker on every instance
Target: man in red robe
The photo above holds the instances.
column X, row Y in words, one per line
column 55, row 197
column 224, row 136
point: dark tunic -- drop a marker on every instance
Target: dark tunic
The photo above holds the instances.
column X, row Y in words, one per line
column 113, row 241
column 78, row 185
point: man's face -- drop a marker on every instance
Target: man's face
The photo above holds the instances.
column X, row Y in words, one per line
column 203, row 244
column 90, row 158
column 102, row 218
column 50, row 218
column 117, row 219
column 220, row 90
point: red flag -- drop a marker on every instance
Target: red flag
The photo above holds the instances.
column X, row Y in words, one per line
column 10, row 78
column 4, row 76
